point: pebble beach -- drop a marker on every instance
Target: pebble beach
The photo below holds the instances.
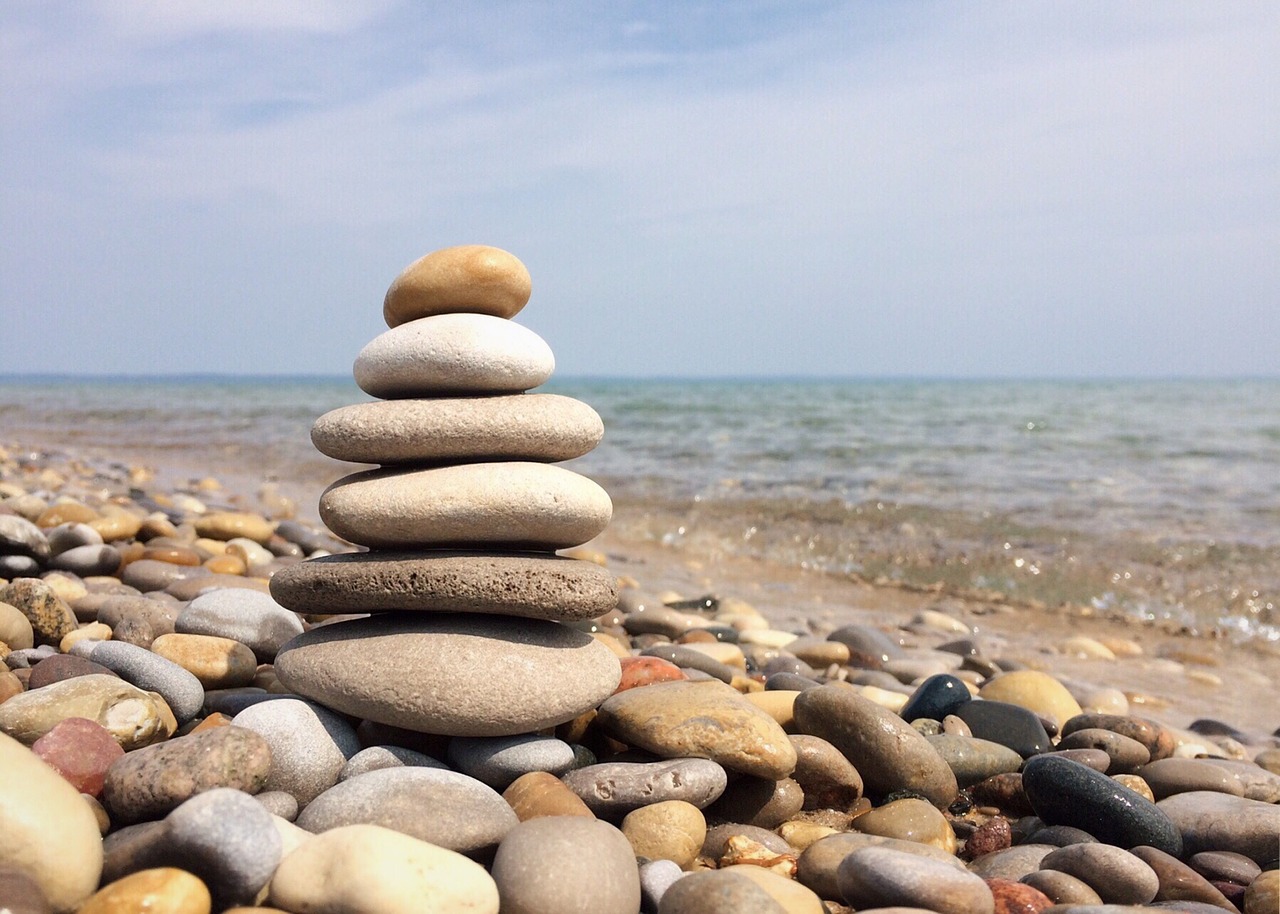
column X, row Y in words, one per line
column 434, row 667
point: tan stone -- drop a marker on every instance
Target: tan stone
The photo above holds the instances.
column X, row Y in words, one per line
column 669, row 830
column 780, row 704
column 46, row 829
column 219, row 663
column 540, row 793
column 134, row 717
column 116, row 524
column 159, row 891
column 908, row 820
column 793, row 897
column 470, row 277
column 66, row 512
column 1035, row 691
column 227, row 525
column 94, row 631
column 15, row 628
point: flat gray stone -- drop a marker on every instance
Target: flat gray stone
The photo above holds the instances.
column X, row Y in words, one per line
column 441, row 807
column 973, row 760
column 513, row 503
column 247, row 616
column 1211, row 821
column 450, row 673
column 309, row 745
column 613, row 789
column 499, row 760
column 229, row 840
column 878, row 877
column 179, row 688
column 453, row 354
column 532, row 586
column 542, row 427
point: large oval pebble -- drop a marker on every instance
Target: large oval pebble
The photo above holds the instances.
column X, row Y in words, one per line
column 566, row 865
column 453, row 354
column 375, row 870
column 472, row 278
column 1212, row 821
column 247, row 616
column 614, row 789
column 309, row 745
column 134, row 717
column 542, row 427
column 880, row 877
column 452, row 674
column 466, row 815
column 534, row 586
column 511, row 503
column 153, row 673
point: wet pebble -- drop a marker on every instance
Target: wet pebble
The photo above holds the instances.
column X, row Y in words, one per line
column 935, row 698
column 1178, row 881
column 828, row 779
column 880, row 877
column 1170, row 776
column 757, row 801
column 1008, row 724
column 1211, row 821
column 973, row 760
column 1123, row 753
column 1116, row 875
column 908, row 820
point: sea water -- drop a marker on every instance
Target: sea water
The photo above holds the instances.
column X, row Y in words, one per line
column 1156, row 499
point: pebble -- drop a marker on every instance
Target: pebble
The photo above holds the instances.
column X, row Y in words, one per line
column 278, row 803
column 879, row 877
column 133, row 717
column 1034, row 690
column 1012, row 862
column 451, row 354
column 613, row 789
column 1016, row 897
column 817, row 866
column 375, row 758
column 717, row 892
column 886, row 751
column 1063, row 792
column 81, row 751
column 87, row 561
column 793, row 897
column 758, row 801
column 150, row 575
column 643, row 671
column 1257, row 781
column 217, row 663
column 908, row 820
column 164, row 890
column 828, row 779
column 670, row 830
column 552, row 865
column 228, row 525
column 1263, row 894
column 226, row 838
column 684, row 657
column 700, row 719
column 309, row 745
column 541, row 794
column 15, row 628
column 935, row 698
column 1116, row 875
column 1062, row 888
column 869, row 648
column 51, row 619
column 47, row 830
column 514, row 503
column 53, row 668
column 1178, row 881
column 656, row 877
column 451, row 674
column 466, row 815
column 539, row 427
column 148, row 671
column 472, row 278
column 1158, row 741
column 1170, row 776
column 499, row 760
column 1225, row 866
column 1008, row 724
column 1124, row 754
column 149, row 782
column 973, row 760
column 375, row 870
column 250, row 617
column 536, row 587
column 1211, row 821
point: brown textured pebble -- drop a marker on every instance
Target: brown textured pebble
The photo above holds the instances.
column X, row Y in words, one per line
column 670, row 830
column 50, row 617
column 991, row 836
column 1225, row 866
column 1169, row 776
column 1016, row 897
column 1116, row 875
column 165, row 890
column 1061, row 888
column 818, row 865
column 1125, row 754
column 219, row 663
column 877, row 876
column 15, row 628
column 61, row 667
column 1158, row 741
column 148, row 783
column 566, row 865
column 827, row 778
column 758, row 801
column 908, row 820
column 81, row 751
column 472, row 278
column 1178, row 881
column 539, row 793
column 887, row 752
column 10, row 685
column 700, row 719
column 1263, row 894
column 717, row 892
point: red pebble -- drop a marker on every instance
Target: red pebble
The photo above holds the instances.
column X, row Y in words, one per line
column 994, row 835
column 81, row 751
column 1016, row 898
column 643, row 671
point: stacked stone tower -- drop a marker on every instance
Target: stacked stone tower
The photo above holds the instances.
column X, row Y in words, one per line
column 462, row 519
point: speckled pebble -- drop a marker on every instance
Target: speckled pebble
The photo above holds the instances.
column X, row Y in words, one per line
column 717, row 892
column 309, row 745
column 553, row 865
column 374, row 758
column 153, row 673
column 227, row 839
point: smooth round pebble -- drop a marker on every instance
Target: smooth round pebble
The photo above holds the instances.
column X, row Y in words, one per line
column 1034, row 690
column 616, row 788
column 656, row 877
column 1115, row 874
column 309, row 745
column 149, row 671
column 670, row 830
column 878, row 876
column 499, row 760
column 717, row 892
column 247, row 616
column 541, row 794
column 375, row 870
column 473, row 278
column 81, row 750
column 226, row 838
column 1062, row 888
column 817, row 866
column 1212, row 821
column 15, row 628
column 566, row 865
column 1170, row 776
column 375, row 758
column 217, row 663
column 164, row 890
column 973, row 760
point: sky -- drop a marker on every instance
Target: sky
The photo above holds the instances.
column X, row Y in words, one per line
column 984, row 189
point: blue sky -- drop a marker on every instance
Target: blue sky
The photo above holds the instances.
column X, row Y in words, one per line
column 861, row 188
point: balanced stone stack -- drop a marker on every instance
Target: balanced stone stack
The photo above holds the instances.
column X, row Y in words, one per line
column 465, row 593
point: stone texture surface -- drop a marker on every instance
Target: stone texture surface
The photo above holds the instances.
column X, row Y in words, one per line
column 80, row 750
column 1208, row 820
column 880, row 877
column 449, row 354
column 540, row 427
column 149, row 671
column 514, row 503
column 163, row 890
column 534, row 586
column 700, row 720
column 247, row 616
column 51, row 619
column 134, row 717
column 226, row 838
column 568, row 865
column 613, row 789
column 374, row 870
column 309, row 745
column 472, row 278
column 453, row 674
column 717, row 892
column 46, row 829
column 1115, row 874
